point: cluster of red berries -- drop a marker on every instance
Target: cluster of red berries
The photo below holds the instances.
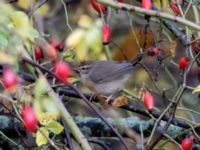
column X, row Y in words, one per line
column 10, row 80
column 100, row 8
column 61, row 69
column 51, row 49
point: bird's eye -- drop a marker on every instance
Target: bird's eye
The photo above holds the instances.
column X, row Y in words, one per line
column 85, row 67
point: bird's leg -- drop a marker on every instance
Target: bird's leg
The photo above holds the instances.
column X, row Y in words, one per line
column 108, row 99
column 93, row 97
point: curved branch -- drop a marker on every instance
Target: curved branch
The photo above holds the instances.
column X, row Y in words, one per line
column 159, row 14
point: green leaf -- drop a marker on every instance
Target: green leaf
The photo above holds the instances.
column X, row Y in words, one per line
column 69, row 54
column 3, row 38
column 22, row 24
column 41, row 136
column 32, row 33
column 40, row 87
column 16, row 67
column 37, row 108
column 50, row 106
column 55, row 127
column 196, row 89
column 93, row 40
column 5, row 11
column 3, row 41
column 42, row 11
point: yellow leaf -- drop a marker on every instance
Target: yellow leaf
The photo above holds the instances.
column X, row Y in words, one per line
column 196, row 89
column 173, row 48
column 85, row 21
column 41, row 136
column 120, row 101
column 81, row 52
column 43, row 10
column 75, row 38
column 20, row 19
column 157, row 3
column 25, row 4
column 46, row 118
column 21, row 23
column 165, row 4
column 37, row 108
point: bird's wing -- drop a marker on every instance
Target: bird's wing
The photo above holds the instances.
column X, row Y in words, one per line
column 111, row 70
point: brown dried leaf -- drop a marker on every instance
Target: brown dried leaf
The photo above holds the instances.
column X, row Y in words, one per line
column 129, row 48
column 173, row 48
column 120, row 101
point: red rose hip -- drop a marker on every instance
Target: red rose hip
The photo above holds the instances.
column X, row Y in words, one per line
column 9, row 78
column 186, row 144
column 29, row 118
column 148, row 100
column 121, row 1
column 98, row 7
column 55, row 43
column 51, row 52
column 175, row 8
column 38, row 53
column 147, row 4
column 62, row 71
column 183, row 63
column 106, row 34
column 152, row 51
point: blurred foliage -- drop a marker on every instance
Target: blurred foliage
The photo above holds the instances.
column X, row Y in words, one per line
column 15, row 32
column 86, row 40
column 79, row 29
column 45, row 109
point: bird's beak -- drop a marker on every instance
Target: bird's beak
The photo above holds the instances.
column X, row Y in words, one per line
column 76, row 70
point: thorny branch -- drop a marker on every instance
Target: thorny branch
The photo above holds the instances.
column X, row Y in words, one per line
column 83, row 98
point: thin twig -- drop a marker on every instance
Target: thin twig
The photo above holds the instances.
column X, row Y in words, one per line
column 159, row 137
column 66, row 15
column 104, row 146
column 37, row 6
column 151, row 76
column 68, row 137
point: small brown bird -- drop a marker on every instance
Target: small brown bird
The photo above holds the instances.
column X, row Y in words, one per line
column 105, row 77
